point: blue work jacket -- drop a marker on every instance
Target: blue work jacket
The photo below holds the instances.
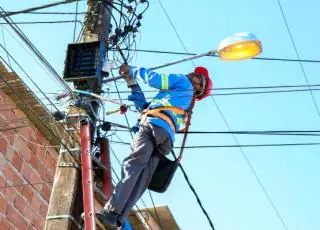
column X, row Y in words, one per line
column 175, row 90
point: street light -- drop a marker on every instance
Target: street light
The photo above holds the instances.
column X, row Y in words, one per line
column 239, row 47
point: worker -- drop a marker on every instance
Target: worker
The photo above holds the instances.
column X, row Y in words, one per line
column 156, row 132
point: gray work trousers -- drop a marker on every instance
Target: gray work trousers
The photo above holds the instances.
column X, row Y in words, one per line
column 138, row 168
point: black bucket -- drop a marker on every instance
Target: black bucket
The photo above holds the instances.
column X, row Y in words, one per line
column 163, row 174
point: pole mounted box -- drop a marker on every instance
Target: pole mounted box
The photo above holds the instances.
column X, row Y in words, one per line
column 82, row 65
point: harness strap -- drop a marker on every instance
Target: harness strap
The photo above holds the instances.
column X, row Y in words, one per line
column 156, row 112
column 186, row 129
column 159, row 112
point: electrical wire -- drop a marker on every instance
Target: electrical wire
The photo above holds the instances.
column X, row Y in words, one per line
column 235, row 146
column 263, row 133
column 31, row 110
column 26, row 74
column 244, row 155
column 5, row 14
column 216, row 56
column 49, row 13
column 175, row 29
column 298, row 57
column 235, row 138
column 5, row 45
column 44, row 22
column 75, row 24
column 229, row 88
column 36, row 52
column 194, row 193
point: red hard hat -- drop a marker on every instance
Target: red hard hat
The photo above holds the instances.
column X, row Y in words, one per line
column 208, row 82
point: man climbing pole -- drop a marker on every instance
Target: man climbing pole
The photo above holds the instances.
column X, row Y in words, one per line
column 159, row 121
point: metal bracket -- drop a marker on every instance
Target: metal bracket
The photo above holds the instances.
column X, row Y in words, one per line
column 65, row 217
column 68, row 165
column 77, row 150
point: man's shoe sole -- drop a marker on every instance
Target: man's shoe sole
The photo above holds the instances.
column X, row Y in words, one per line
column 109, row 226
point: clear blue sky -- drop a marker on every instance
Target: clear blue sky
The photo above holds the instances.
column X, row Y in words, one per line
column 223, row 178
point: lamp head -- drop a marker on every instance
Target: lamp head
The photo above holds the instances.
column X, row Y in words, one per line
column 239, row 47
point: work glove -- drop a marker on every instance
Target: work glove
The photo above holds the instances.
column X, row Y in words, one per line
column 138, row 98
column 135, row 128
column 124, row 71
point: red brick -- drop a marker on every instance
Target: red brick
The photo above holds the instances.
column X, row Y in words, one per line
column 18, row 113
column 34, row 162
column 31, row 227
column 45, row 192
column 10, row 152
column 10, row 134
column 37, row 221
column 36, row 202
column 42, row 154
column 11, row 175
column 2, row 181
column 29, row 174
column 26, row 132
column 5, row 225
column 17, row 161
column 27, row 192
column 3, row 145
column 15, row 218
column 26, row 153
column 21, row 205
column 3, row 205
column 34, row 148
column 43, row 172
column 43, row 210
column 11, row 193
column 21, row 146
column 51, row 163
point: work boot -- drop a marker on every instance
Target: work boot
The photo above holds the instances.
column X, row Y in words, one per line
column 108, row 219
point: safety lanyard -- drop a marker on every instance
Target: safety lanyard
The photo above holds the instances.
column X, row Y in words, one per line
column 186, row 129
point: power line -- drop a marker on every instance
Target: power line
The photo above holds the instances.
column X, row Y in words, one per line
column 298, row 56
column 75, row 19
column 174, row 28
column 242, row 93
column 244, row 155
column 6, row 14
column 36, row 52
column 5, row 45
column 236, row 146
column 49, row 13
column 266, row 132
column 43, row 22
column 249, row 146
column 216, row 56
column 195, row 194
column 233, row 88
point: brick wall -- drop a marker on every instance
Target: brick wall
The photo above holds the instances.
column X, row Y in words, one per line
column 27, row 167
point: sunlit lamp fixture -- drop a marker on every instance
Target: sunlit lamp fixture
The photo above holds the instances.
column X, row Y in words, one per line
column 239, row 47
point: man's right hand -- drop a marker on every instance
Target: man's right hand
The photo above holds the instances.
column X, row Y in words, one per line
column 124, row 71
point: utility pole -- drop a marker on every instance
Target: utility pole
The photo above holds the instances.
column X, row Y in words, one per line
column 83, row 67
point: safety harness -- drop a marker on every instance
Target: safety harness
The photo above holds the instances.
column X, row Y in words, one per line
column 166, row 168
column 161, row 113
